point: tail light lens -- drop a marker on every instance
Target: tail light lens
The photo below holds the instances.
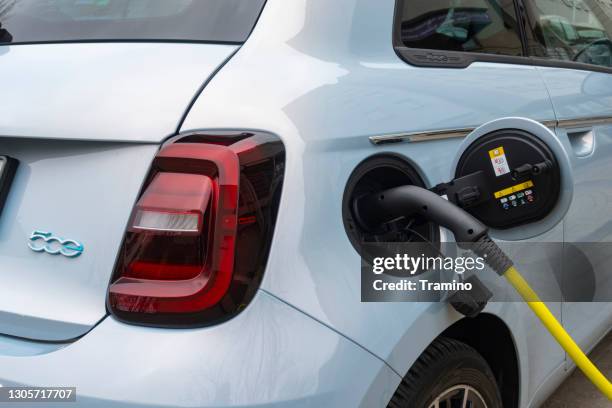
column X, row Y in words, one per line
column 199, row 235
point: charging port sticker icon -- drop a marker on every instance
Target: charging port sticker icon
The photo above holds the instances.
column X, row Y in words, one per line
column 514, row 189
column 499, row 161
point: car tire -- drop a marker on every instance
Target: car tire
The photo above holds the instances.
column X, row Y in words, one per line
column 448, row 370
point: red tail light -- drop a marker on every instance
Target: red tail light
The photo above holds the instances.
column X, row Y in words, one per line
column 198, row 237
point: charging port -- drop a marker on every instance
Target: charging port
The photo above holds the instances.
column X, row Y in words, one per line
column 380, row 173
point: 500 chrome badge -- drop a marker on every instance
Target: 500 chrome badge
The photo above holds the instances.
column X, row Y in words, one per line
column 41, row 241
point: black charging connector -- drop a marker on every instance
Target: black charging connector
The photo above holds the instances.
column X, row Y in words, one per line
column 527, row 170
column 467, row 191
column 372, row 211
column 471, row 303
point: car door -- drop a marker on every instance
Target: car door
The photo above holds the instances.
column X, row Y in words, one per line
column 577, row 70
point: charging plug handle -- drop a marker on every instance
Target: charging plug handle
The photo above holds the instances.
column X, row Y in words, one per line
column 374, row 210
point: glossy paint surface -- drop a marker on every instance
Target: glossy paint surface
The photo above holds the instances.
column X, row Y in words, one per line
column 115, row 91
column 323, row 76
column 271, row 355
column 588, row 224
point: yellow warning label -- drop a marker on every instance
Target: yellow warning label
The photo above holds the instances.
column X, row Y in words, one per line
column 514, row 189
column 496, row 152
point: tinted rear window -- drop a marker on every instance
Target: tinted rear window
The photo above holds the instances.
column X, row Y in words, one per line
column 98, row 20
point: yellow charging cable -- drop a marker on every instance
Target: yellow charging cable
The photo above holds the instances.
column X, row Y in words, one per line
column 558, row 332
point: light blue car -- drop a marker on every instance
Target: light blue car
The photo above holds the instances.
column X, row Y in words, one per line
column 176, row 180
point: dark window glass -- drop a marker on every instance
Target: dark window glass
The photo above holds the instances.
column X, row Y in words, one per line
column 82, row 20
column 571, row 30
column 488, row 26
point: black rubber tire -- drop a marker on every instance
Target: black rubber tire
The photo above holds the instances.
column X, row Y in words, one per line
column 444, row 364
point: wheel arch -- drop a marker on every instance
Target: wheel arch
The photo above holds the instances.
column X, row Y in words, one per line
column 492, row 338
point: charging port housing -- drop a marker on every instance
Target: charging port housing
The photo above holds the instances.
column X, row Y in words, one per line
column 379, row 173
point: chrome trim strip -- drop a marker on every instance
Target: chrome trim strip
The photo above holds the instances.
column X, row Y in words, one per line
column 549, row 123
column 585, row 122
column 421, row 136
column 413, row 137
